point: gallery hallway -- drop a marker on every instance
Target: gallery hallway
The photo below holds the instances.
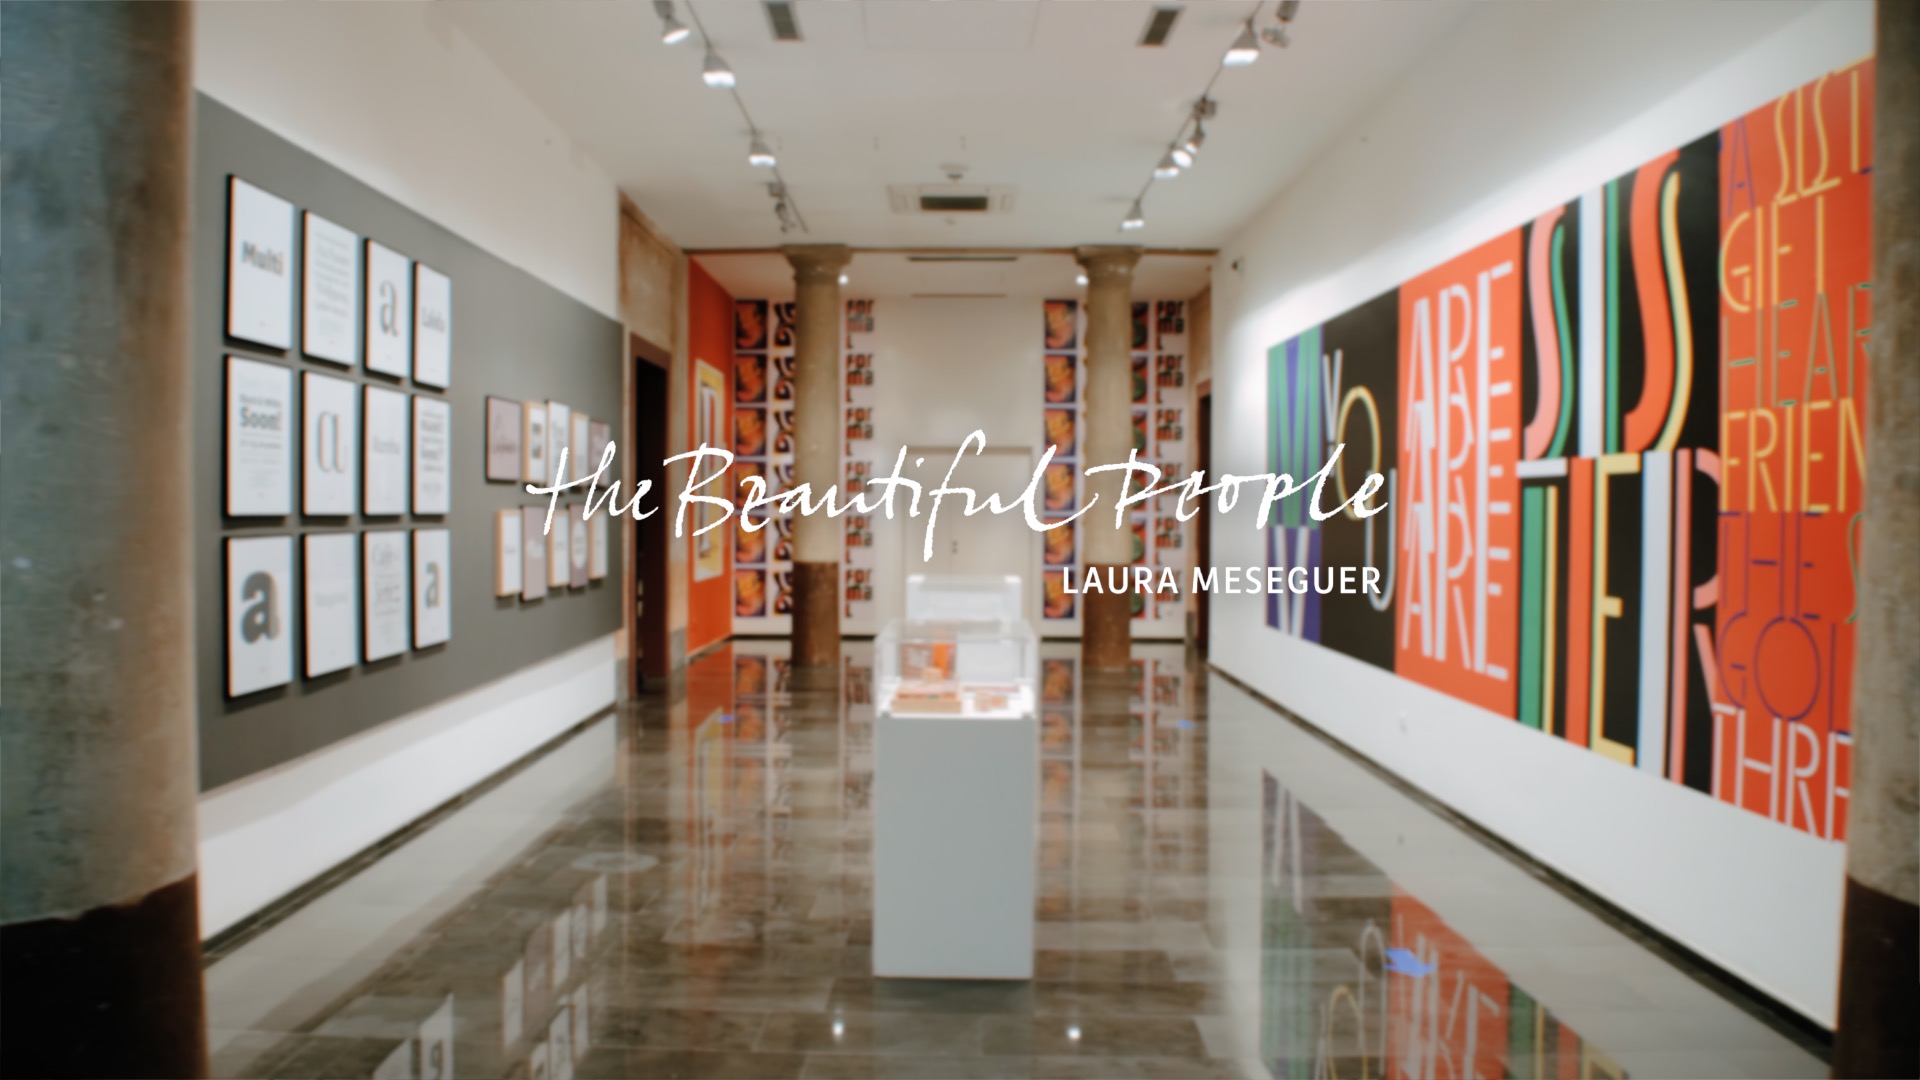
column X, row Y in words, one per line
column 683, row 889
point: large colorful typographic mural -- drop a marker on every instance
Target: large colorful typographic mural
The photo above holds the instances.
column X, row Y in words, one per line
column 1623, row 449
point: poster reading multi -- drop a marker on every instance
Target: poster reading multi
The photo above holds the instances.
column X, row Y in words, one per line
column 1624, row 448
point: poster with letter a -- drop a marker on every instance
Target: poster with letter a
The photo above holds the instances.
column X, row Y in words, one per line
column 330, row 445
column 259, row 610
column 389, row 310
column 432, row 588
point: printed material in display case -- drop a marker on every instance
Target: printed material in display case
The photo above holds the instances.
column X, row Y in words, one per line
column 503, row 439
column 384, row 452
column 982, row 667
column 329, row 288
column 329, row 441
column 259, row 436
column 384, row 594
column 389, row 310
column 432, row 588
column 259, row 599
column 332, row 601
column 432, row 438
column 432, row 327
column 259, row 266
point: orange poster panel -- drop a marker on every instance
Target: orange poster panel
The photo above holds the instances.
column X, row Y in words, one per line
column 1459, row 527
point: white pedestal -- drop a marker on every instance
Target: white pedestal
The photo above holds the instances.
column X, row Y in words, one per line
column 955, row 833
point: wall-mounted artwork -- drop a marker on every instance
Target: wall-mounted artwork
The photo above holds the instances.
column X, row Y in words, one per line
column 559, row 541
column 506, row 552
column 503, row 439
column 599, row 434
column 329, row 289
column 1062, row 325
column 259, row 266
column 389, row 310
column 432, row 587
column 384, row 596
column 259, row 439
column 1623, row 450
column 259, row 609
column 331, row 593
column 709, row 429
column 749, row 325
column 432, row 327
column 533, row 442
column 432, row 455
column 580, row 438
column 559, row 430
column 329, row 445
column 599, row 554
column 578, row 545
column 533, row 552
column 383, row 419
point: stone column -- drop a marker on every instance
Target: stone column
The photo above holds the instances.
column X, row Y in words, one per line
column 817, row 435
column 1880, row 933
column 99, row 909
column 1106, row 619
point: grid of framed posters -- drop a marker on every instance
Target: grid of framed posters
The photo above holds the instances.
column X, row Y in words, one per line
column 762, row 395
column 1160, row 422
column 339, row 349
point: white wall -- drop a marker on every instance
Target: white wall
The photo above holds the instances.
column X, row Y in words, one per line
column 395, row 96
column 1524, row 107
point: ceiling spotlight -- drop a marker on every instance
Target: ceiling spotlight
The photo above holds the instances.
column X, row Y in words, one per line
column 844, row 279
column 1275, row 36
column 1244, row 50
column 672, row 30
column 1168, row 168
column 1080, row 279
column 1287, row 10
column 1195, row 141
column 759, row 155
column 1135, row 219
column 1181, row 156
column 715, row 72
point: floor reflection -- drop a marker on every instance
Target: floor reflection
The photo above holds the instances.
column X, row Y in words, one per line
column 685, row 890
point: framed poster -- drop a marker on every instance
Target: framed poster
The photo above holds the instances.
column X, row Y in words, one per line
column 432, row 588
column 384, row 452
column 559, row 540
column 432, row 437
column 559, row 427
column 581, row 440
column 331, row 601
column 384, row 592
column 533, row 443
column 259, row 266
column 329, row 287
column 533, row 553
column 259, row 630
column 389, row 309
column 432, row 327
column 598, row 436
column 259, row 436
column 503, row 439
column 709, row 429
column 597, row 553
column 329, row 444
column 577, row 545
column 506, row 552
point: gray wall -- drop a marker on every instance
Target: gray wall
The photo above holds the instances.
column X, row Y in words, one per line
column 513, row 336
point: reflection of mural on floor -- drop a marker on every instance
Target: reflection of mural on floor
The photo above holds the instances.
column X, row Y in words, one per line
column 1365, row 981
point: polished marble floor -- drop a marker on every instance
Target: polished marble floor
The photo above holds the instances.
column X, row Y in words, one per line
column 684, row 890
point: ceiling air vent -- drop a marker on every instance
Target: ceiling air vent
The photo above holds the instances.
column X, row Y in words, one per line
column 1159, row 25
column 949, row 199
column 780, row 17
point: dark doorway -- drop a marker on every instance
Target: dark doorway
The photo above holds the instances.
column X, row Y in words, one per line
column 1203, row 534
column 651, row 653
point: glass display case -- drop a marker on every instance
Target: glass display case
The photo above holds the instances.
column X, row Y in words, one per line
column 966, row 597
column 974, row 668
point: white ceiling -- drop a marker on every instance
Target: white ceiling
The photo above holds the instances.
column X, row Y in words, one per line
column 1052, row 98
column 889, row 275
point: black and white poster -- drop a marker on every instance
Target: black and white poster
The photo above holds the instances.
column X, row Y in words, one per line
column 432, row 439
column 329, row 288
column 385, row 422
column 332, row 601
column 330, row 442
column 384, row 593
column 506, row 552
column 389, row 310
column 581, row 440
column 432, row 588
column 259, row 435
column 559, row 541
column 259, row 266
column 503, row 439
column 597, row 552
column 533, row 443
column 259, row 605
column 559, row 427
column 432, row 327
column 577, row 544
column 533, row 553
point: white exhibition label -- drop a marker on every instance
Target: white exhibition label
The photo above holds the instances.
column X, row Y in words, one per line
column 432, row 455
column 259, row 265
column 259, row 433
column 432, row 326
column 332, row 605
column 385, row 592
column 389, row 310
column 432, row 588
column 330, row 444
column 259, row 599
column 385, row 422
column 329, row 287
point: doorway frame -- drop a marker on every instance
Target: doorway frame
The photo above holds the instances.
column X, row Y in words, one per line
column 648, row 605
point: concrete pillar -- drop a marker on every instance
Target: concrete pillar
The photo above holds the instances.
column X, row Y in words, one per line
column 99, row 909
column 1106, row 619
column 817, row 435
column 1880, row 934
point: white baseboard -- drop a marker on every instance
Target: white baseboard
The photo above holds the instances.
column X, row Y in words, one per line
column 265, row 835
